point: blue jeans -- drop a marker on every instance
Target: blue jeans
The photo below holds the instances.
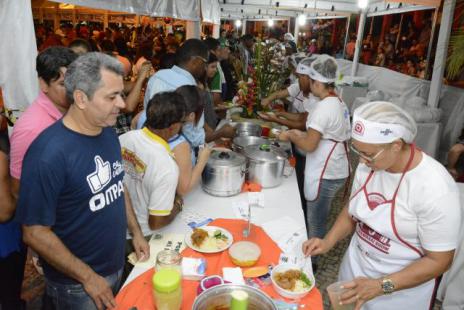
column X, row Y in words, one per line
column 74, row 297
column 317, row 211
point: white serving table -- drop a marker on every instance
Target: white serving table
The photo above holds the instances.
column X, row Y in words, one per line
column 280, row 201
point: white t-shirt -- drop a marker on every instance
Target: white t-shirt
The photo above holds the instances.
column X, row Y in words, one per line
column 300, row 103
column 427, row 210
column 151, row 175
column 331, row 118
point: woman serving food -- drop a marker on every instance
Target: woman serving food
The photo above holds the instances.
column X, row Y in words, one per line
column 404, row 212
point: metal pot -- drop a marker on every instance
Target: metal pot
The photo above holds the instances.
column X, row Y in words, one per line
column 224, row 174
column 265, row 164
column 239, row 143
column 247, row 129
column 285, row 146
column 218, row 297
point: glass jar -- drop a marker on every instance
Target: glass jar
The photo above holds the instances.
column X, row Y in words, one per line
column 169, row 259
column 167, row 289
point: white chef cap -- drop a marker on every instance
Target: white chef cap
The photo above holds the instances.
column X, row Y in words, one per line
column 304, row 66
column 381, row 122
column 324, row 69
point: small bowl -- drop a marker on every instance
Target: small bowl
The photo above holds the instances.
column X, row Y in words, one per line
column 286, row 293
column 250, row 249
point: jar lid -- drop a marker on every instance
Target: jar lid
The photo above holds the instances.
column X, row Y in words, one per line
column 226, row 159
column 265, row 152
column 166, row 280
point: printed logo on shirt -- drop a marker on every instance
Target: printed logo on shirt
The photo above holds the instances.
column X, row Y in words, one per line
column 359, row 128
column 99, row 179
column 133, row 165
column 375, row 199
column 373, row 238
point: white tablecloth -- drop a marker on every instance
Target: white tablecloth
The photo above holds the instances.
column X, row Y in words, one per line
column 452, row 285
column 283, row 200
column 428, row 138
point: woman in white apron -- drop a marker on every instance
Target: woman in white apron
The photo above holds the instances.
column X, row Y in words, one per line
column 404, row 214
column 328, row 129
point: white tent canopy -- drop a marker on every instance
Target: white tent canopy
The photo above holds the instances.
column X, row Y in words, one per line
column 264, row 9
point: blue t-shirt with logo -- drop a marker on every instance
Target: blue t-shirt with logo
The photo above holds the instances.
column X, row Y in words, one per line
column 73, row 183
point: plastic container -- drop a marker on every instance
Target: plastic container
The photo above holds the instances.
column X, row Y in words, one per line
column 244, row 253
column 335, row 290
column 169, row 259
column 167, row 289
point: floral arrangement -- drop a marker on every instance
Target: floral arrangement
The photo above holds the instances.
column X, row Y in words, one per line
column 265, row 76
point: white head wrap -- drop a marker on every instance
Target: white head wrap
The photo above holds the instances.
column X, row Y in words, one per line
column 304, row 66
column 382, row 122
column 324, row 69
column 289, row 37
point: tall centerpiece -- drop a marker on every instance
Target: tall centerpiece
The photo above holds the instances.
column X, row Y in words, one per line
column 264, row 76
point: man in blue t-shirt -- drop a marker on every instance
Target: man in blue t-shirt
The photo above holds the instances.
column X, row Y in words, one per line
column 72, row 201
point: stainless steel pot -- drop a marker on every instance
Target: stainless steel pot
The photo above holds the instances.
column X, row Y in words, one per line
column 239, row 143
column 285, row 146
column 265, row 164
column 218, row 297
column 224, row 174
column 248, row 129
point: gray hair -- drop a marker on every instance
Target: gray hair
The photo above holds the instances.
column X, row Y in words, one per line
column 85, row 73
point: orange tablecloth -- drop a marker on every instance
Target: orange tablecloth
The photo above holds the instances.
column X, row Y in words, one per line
column 138, row 293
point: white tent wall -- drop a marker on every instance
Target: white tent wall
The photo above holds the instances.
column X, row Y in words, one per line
column 18, row 78
column 210, row 11
column 402, row 85
column 182, row 9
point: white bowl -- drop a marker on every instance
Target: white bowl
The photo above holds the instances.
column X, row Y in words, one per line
column 286, row 293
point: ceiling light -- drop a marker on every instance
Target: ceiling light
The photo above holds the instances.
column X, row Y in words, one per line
column 302, row 20
column 362, row 4
column 238, row 23
column 270, row 22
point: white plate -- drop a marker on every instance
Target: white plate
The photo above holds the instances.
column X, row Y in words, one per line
column 210, row 230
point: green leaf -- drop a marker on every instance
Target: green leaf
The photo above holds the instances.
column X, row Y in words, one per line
column 305, row 279
column 455, row 62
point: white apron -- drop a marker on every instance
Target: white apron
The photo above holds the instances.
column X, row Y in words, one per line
column 316, row 164
column 377, row 250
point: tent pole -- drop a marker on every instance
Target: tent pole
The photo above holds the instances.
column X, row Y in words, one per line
column 295, row 32
column 359, row 38
column 193, row 29
column 216, row 31
column 429, row 49
column 372, row 25
column 441, row 53
column 347, row 34
column 244, row 24
column 399, row 32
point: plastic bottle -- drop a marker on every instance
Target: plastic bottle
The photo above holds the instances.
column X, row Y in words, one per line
column 167, row 289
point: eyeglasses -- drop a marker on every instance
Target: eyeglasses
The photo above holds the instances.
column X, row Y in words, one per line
column 369, row 159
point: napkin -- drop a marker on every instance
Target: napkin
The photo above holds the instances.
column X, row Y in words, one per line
column 287, row 233
column 157, row 243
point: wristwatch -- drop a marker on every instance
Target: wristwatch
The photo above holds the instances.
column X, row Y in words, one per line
column 387, row 286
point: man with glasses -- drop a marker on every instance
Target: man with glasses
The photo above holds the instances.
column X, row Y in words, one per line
column 191, row 61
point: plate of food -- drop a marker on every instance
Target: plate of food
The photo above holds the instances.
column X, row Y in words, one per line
column 291, row 281
column 209, row 239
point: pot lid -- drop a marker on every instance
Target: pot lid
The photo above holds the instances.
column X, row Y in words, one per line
column 281, row 144
column 249, row 140
column 265, row 152
column 226, row 159
column 247, row 126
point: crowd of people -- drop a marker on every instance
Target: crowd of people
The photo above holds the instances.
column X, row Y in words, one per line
column 89, row 178
column 406, row 53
